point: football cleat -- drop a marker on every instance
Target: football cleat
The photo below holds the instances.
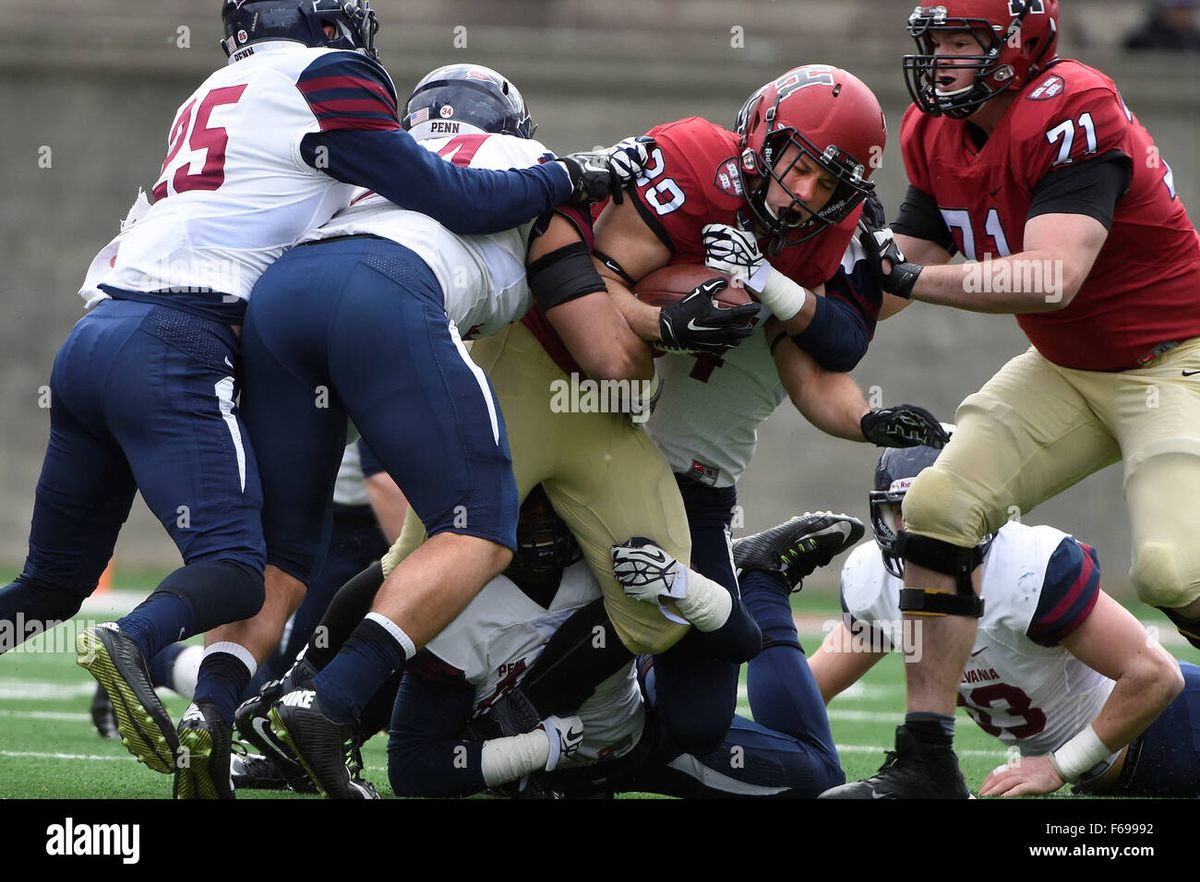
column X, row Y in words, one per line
column 103, row 717
column 912, row 771
column 250, row 771
column 253, row 723
column 322, row 746
column 143, row 724
column 203, row 765
column 798, row 546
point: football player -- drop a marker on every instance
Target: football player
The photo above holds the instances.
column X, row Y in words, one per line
column 616, row 742
column 1057, row 669
column 367, row 314
column 144, row 388
column 1033, row 168
column 788, row 183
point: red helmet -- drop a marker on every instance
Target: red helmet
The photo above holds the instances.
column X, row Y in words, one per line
column 1017, row 38
column 835, row 120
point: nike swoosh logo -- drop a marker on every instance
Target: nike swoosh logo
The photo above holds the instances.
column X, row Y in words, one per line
column 1190, row 373
column 228, row 362
column 692, row 326
column 263, row 728
column 875, row 795
column 976, row 652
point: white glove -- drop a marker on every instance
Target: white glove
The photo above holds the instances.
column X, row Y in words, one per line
column 646, row 572
column 565, row 735
column 732, row 251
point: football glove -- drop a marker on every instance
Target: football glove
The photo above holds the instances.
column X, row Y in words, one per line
column 646, row 572
column 696, row 325
column 599, row 174
column 903, row 426
column 879, row 242
column 732, row 251
column 565, row 735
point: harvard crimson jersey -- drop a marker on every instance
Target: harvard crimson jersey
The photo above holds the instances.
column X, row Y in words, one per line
column 483, row 277
column 234, row 192
column 1144, row 290
column 706, row 420
column 1019, row 685
column 502, row 632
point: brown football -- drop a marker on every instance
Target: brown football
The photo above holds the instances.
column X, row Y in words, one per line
column 672, row 283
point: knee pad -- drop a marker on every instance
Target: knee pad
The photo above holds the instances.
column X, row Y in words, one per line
column 1156, row 574
column 950, row 560
column 218, row 591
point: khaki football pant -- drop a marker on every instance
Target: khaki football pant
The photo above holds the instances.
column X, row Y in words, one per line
column 1036, row 429
column 604, row 477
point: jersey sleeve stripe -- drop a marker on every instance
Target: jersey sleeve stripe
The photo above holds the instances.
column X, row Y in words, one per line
column 352, row 85
column 1069, row 593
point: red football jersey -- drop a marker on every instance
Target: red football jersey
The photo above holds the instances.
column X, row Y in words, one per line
column 1144, row 290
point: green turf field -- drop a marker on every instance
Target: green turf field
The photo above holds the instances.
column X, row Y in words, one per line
column 48, row 747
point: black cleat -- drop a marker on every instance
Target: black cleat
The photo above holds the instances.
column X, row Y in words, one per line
column 253, row 772
column 143, row 724
column 204, row 755
column 103, row 717
column 322, row 746
column 912, row 771
column 253, row 723
column 798, row 546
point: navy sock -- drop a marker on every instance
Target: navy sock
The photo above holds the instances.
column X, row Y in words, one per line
column 157, row 622
column 369, row 657
column 783, row 692
column 162, row 666
column 223, row 679
column 930, row 728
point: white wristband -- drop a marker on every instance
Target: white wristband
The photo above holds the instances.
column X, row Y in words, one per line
column 507, row 759
column 777, row 292
column 1079, row 755
column 707, row 605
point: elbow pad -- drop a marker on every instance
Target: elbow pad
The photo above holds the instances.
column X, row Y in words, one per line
column 835, row 337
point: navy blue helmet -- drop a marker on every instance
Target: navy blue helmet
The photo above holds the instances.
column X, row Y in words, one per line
column 253, row 21
column 467, row 94
column 894, row 474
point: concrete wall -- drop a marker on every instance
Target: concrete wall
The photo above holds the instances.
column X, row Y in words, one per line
column 99, row 89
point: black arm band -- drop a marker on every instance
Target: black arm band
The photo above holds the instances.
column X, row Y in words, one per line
column 921, row 218
column 564, row 274
column 1090, row 188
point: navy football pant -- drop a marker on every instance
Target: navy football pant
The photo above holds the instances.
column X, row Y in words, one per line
column 142, row 398
column 356, row 328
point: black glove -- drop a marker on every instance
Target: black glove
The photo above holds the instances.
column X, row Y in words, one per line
column 903, row 426
column 697, row 325
column 879, row 242
column 600, row 174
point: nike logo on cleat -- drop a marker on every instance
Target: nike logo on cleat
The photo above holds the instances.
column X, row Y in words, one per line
column 299, row 698
column 1190, row 373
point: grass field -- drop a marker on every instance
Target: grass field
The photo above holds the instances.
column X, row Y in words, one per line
column 48, row 747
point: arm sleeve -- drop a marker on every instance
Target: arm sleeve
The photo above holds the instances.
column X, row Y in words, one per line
column 426, row 754
column 1091, row 188
column 1069, row 592
column 920, row 218
column 468, row 201
column 836, row 337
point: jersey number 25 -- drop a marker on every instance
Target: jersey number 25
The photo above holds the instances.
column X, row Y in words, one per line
column 177, row 175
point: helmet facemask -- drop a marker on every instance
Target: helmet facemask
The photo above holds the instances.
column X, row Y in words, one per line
column 798, row 222
column 885, row 505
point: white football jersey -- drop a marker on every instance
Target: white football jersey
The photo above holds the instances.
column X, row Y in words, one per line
column 350, row 489
column 500, row 634
column 234, row 192
column 482, row 277
column 706, row 421
column 1018, row 690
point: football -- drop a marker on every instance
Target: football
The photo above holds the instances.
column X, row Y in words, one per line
column 672, row 283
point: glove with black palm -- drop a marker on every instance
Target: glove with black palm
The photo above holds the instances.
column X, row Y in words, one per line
column 903, row 426
column 697, row 325
column 600, row 174
column 879, row 242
